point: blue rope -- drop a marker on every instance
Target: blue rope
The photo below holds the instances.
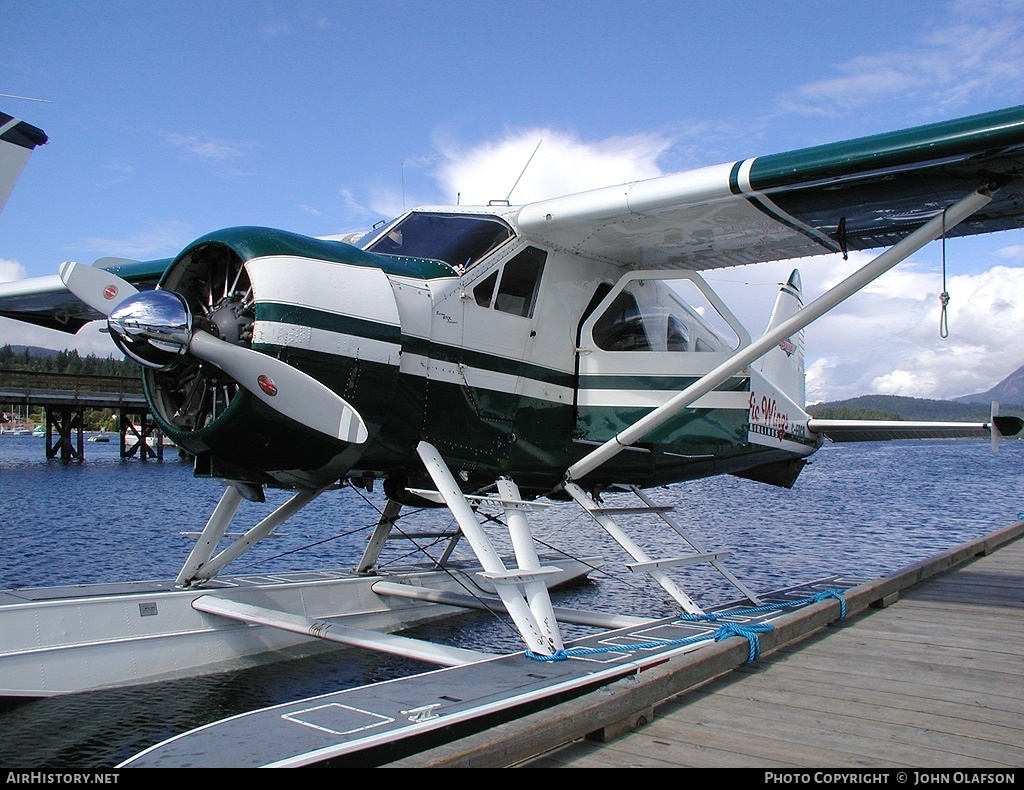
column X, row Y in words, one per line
column 749, row 632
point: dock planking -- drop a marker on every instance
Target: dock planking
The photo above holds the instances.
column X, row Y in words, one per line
column 925, row 671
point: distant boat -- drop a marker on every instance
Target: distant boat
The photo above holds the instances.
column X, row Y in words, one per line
column 132, row 439
column 39, row 431
column 99, row 437
column 16, row 430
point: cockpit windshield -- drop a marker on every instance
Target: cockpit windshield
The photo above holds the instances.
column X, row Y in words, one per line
column 459, row 240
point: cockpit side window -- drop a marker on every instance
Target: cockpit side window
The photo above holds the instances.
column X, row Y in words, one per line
column 485, row 290
column 520, row 282
column 457, row 239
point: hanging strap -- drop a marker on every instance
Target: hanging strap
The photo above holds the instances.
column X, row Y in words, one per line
column 944, row 296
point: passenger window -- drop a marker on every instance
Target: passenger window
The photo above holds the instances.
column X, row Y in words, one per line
column 621, row 328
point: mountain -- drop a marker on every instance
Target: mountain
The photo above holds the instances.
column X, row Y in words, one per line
column 899, row 407
column 1009, row 390
column 33, row 351
column 1009, row 394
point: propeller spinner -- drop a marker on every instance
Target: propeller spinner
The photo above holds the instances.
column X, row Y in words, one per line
column 157, row 329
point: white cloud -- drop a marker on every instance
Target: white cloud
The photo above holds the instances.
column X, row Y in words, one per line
column 534, row 164
column 976, row 51
column 209, row 149
column 10, row 270
column 886, row 339
column 159, row 240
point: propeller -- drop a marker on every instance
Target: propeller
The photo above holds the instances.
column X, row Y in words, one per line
column 156, row 329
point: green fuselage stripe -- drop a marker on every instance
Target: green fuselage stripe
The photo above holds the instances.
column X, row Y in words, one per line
column 331, row 322
column 653, row 383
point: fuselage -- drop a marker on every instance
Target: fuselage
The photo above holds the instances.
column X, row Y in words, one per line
column 447, row 326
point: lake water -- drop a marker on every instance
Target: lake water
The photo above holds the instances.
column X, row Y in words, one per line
column 863, row 509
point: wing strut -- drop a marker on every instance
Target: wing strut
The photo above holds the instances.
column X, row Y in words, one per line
column 903, row 249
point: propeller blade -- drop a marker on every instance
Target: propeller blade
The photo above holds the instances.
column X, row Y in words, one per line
column 98, row 288
column 287, row 390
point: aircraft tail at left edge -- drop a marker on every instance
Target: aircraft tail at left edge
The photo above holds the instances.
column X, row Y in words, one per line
column 18, row 139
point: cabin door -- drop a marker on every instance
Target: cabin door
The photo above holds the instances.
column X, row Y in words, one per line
column 651, row 336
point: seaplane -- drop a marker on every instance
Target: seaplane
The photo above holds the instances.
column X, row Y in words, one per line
column 500, row 361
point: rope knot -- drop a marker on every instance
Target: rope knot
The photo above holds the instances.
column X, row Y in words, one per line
column 711, row 617
column 749, row 632
column 558, row 655
column 838, row 594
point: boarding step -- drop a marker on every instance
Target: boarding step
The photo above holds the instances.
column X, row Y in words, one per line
column 675, row 562
column 626, row 511
column 507, row 504
column 641, row 562
column 413, row 535
column 576, row 616
column 517, row 575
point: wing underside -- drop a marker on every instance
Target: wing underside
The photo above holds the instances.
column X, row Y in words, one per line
column 854, row 195
column 45, row 301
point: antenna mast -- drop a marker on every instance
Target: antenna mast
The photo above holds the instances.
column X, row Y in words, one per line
column 509, row 196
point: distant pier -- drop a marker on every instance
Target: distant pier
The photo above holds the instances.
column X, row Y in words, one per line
column 65, row 398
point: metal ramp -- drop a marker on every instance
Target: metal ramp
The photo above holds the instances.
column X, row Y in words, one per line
column 642, row 563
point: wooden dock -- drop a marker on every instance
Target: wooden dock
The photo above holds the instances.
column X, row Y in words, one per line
column 926, row 670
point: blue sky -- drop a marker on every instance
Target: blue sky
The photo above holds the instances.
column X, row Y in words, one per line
column 172, row 119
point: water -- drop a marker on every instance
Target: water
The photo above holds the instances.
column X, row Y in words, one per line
column 858, row 509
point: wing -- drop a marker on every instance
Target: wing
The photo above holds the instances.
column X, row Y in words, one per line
column 18, row 140
column 45, row 301
column 854, row 195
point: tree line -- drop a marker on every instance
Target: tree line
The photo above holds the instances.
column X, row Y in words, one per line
column 25, row 358
column 30, row 359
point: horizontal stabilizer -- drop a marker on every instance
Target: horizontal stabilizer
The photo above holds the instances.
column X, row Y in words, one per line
column 887, row 430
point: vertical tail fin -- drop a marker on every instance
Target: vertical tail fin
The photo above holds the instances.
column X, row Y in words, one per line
column 783, row 366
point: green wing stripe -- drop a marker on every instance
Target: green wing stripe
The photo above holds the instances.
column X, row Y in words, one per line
column 482, row 361
column 948, row 140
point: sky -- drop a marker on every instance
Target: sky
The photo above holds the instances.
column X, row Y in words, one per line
column 168, row 120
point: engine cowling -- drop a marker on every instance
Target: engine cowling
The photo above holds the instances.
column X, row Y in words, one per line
column 324, row 307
